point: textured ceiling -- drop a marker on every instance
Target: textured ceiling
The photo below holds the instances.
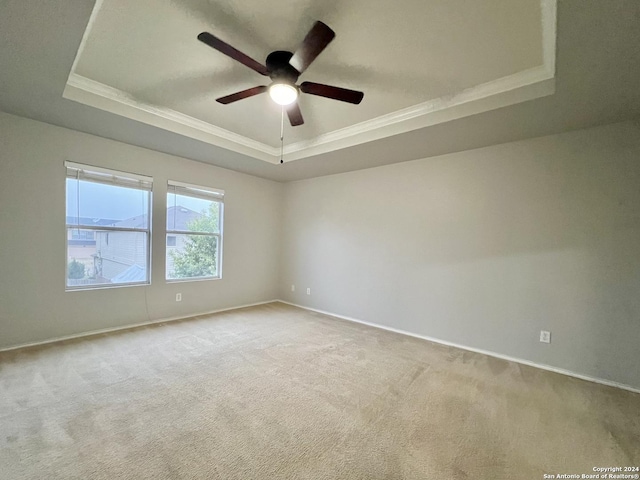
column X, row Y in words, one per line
column 597, row 71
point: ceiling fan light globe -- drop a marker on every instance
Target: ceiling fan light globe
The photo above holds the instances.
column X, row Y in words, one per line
column 283, row 93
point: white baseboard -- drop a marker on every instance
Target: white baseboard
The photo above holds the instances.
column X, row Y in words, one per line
column 126, row 327
column 522, row 361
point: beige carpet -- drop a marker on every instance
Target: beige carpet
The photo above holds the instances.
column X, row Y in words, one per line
column 275, row 392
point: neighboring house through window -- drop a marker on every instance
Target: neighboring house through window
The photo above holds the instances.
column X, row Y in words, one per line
column 194, row 232
column 108, row 227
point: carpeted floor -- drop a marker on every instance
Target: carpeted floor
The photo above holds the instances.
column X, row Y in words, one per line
column 276, row 392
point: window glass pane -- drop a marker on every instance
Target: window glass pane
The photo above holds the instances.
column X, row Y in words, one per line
column 102, row 204
column 106, row 257
column 193, row 256
column 82, row 235
column 189, row 214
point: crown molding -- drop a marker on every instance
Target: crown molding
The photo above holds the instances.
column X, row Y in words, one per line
column 95, row 94
column 516, row 88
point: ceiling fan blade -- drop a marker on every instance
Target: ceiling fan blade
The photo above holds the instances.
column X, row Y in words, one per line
column 234, row 97
column 313, row 44
column 229, row 51
column 294, row 114
column 336, row 93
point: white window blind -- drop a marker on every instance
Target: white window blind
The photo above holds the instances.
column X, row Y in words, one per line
column 205, row 193
column 109, row 177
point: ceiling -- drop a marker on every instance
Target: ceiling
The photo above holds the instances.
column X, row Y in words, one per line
column 439, row 76
column 148, row 52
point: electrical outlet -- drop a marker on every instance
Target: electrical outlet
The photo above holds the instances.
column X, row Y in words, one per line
column 308, row 291
column 293, row 288
column 545, row 337
column 178, row 297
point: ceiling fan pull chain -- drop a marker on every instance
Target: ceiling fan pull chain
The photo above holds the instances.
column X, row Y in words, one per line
column 282, row 136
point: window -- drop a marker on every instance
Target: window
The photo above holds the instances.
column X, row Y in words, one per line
column 194, row 220
column 108, row 227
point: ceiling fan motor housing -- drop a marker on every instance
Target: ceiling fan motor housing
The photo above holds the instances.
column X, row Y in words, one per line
column 280, row 70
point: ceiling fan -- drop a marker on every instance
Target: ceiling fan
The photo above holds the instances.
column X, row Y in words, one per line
column 284, row 68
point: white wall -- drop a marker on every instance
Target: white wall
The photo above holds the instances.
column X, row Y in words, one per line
column 485, row 248
column 33, row 303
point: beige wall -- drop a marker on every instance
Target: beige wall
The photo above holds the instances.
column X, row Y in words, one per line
column 33, row 303
column 485, row 248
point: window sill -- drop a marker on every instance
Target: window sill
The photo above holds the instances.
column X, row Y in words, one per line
column 193, row 279
column 105, row 287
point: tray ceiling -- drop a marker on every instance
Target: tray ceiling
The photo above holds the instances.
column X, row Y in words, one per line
column 142, row 60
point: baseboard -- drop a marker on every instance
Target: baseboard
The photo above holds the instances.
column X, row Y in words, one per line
column 126, row 327
column 521, row 361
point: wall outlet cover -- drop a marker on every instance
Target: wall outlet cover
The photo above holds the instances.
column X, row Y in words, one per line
column 545, row 336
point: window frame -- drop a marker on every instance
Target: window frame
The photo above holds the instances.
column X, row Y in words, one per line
column 90, row 173
column 204, row 193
